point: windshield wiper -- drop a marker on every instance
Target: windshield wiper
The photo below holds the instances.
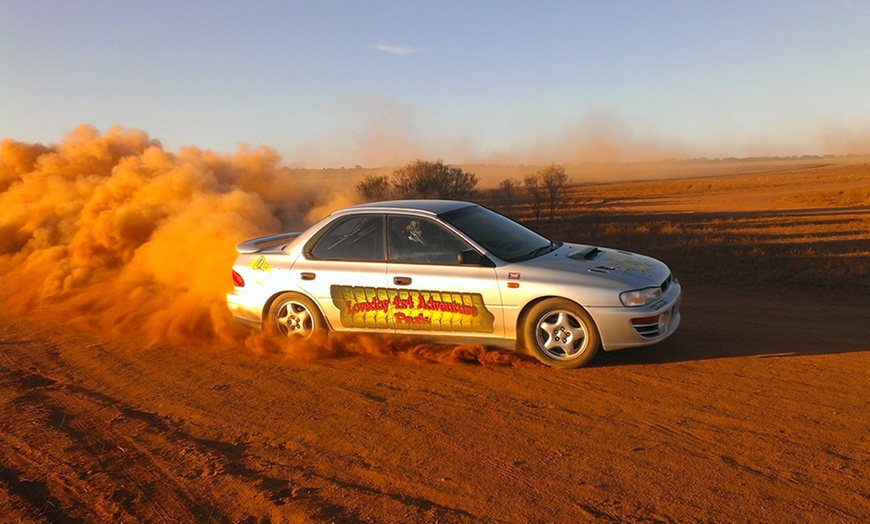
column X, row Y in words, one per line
column 541, row 250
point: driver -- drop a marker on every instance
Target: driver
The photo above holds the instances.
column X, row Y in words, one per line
column 414, row 233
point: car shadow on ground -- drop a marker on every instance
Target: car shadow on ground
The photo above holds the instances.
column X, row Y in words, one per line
column 758, row 324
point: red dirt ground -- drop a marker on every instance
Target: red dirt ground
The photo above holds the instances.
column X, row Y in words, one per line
column 755, row 411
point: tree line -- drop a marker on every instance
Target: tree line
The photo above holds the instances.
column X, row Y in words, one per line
column 543, row 190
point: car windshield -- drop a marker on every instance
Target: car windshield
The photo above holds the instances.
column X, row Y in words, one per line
column 498, row 234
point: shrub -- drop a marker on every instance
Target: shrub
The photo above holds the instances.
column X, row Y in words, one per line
column 374, row 187
column 423, row 179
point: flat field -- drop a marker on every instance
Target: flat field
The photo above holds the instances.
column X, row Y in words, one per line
column 756, row 410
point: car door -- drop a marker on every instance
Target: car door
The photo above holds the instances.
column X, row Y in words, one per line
column 433, row 293
column 344, row 269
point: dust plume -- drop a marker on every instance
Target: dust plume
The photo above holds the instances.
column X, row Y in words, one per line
column 386, row 133
column 389, row 134
column 387, row 346
column 603, row 136
column 112, row 231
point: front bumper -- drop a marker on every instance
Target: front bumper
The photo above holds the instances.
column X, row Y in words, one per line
column 651, row 325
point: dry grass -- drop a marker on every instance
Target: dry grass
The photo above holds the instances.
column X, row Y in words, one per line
column 809, row 227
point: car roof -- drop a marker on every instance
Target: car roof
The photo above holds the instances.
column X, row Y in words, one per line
column 435, row 207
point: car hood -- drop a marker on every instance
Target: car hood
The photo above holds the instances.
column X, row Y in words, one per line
column 622, row 268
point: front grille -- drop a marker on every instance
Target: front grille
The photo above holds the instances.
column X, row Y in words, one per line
column 647, row 330
column 652, row 327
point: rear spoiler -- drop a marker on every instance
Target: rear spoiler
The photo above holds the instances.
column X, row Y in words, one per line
column 255, row 245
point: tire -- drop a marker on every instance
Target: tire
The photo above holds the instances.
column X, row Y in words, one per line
column 295, row 317
column 560, row 334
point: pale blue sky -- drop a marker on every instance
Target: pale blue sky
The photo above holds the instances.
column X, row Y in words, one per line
column 380, row 83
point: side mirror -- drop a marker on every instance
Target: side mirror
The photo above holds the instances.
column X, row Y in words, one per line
column 470, row 257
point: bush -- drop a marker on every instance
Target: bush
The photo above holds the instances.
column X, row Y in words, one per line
column 374, row 187
column 422, row 179
column 506, row 195
column 546, row 186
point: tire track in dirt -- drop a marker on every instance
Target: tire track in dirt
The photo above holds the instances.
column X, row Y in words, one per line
column 704, row 426
column 108, row 460
column 36, row 497
column 146, row 475
column 393, row 406
column 71, row 411
column 474, row 453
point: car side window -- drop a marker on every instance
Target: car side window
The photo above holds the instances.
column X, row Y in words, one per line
column 352, row 238
column 420, row 240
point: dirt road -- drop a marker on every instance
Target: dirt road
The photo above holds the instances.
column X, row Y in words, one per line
column 756, row 411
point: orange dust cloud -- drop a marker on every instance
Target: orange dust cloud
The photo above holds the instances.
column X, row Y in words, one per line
column 387, row 346
column 113, row 232
column 602, row 136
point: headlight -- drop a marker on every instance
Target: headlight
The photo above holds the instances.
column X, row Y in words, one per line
column 640, row 297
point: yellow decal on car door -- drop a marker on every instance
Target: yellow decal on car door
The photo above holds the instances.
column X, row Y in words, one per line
column 410, row 309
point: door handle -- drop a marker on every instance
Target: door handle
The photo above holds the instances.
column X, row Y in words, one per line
column 402, row 281
column 307, row 276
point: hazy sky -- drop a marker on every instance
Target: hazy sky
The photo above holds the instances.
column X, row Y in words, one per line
column 380, row 83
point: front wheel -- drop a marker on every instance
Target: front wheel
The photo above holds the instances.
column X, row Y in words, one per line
column 560, row 333
column 296, row 317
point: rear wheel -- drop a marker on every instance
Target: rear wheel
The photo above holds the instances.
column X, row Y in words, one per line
column 295, row 317
column 560, row 333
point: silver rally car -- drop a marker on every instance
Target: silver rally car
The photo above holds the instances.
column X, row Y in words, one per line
column 439, row 268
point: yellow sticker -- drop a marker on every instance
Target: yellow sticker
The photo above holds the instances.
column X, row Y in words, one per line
column 261, row 264
column 409, row 309
column 628, row 262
